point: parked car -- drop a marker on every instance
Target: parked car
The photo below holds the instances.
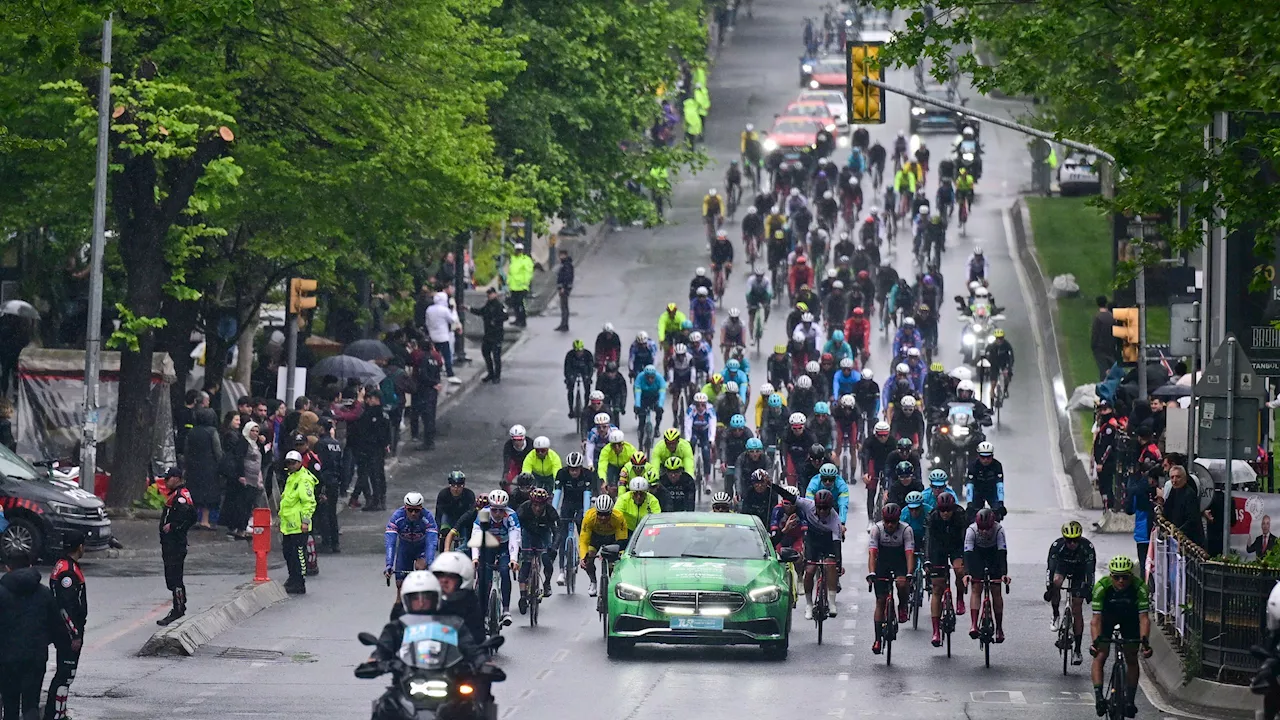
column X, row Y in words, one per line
column 39, row 510
column 1078, row 175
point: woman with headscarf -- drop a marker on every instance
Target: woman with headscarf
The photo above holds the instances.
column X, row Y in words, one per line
column 201, row 461
column 243, row 475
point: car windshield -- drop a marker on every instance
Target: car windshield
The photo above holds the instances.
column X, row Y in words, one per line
column 829, row 66
column 829, row 97
column 699, row 540
column 15, row 467
column 808, row 110
column 794, row 126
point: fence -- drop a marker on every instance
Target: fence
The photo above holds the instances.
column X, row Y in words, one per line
column 1214, row 611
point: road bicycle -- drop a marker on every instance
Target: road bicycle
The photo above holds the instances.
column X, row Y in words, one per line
column 1117, row 692
column 846, row 453
column 491, row 576
column 533, row 588
column 963, row 209
column 821, row 601
column 579, row 397
column 608, row 555
column 775, row 463
column 1000, row 392
column 569, row 555
column 717, row 284
column 1066, row 624
column 751, row 247
column 918, row 588
column 644, row 435
column 757, row 313
column 887, row 628
column 986, row 617
column 947, row 623
column 735, row 197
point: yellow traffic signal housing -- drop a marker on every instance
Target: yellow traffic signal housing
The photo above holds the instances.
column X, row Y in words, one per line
column 1126, row 328
column 300, row 297
column 866, row 102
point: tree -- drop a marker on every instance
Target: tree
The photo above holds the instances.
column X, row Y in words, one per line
column 1138, row 78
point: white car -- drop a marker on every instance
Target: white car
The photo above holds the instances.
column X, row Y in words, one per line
column 1078, row 175
column 834, row 100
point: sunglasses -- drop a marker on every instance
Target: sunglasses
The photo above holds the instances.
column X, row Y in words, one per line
column 413, row 511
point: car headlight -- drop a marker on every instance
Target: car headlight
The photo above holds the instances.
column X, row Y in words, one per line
column 428, row 688
column 918, row 111
column 765, row 594
column 629, row 592
column 814, row 84
column 842, row 141
column 806, row 68
column 968, row 339
column 967, row 157
column 64, row 508
column 769, row 145
column 831, row 127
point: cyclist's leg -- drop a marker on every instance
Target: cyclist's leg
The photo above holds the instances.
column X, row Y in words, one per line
column 504, row 569
column 526, row 568
column 1055, row 593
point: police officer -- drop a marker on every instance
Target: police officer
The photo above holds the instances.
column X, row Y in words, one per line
column 67, row 583
column 329, row 450
column 1106, row 453
column 177, row 517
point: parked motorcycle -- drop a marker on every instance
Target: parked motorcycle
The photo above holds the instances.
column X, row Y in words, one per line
column 431, row 678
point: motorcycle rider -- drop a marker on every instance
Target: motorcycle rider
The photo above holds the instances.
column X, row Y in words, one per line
column 457, row 576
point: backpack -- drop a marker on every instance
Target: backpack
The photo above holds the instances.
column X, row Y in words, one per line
column 405, row 384
column 387, row 388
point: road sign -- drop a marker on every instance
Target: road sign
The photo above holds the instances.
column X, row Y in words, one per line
column 1214, row 380
column 1211, row 436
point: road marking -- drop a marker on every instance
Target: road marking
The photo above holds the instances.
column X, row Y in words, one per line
column 560, row 655
column 143, row 621
column 842, row 677
column 577, row 637
column 998, row 696
column 851, row 624
column 835, row 712
column 848, row 639
column 846, row 659
column 543, row 674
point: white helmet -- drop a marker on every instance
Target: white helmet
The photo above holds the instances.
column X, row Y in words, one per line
column 924, row 211
column 807, row 317
column 909, row 321
column 702, row 291
column 596, row 395
column 730, row 387
column 804, row 382
column 902, row 133
column 913, row 352
column 542, row 442
column 848, row 401
column 902, row 369
column 700, row 397
column 681, row 348
column 827, row 195
column 766, row 389
column 831, row 272
column 701, row 272
column 812, row 366
column 601, row 419
column 797, row 418
column 616, row 436
column 517, row 432
column 695, row 336
column 795, row 192
column 798, row 335
column 638, row 484
column 608, row 327
column 882, row 427
column 712, row 192
column 413, row 499
column 868, row 374
column 751, row 210
column 965, row 386
column 846, row 363
column 642, row 336
column 734, row 312
column 908, row 402
column 455, row 563
column 750, row 127
column 420, row 581
column 603, row 504
column 792, row 490
column 1273, row 608
column 977, row 251
column 853, row 181
column 498, row 499
column 974, row 285
column 838, row 285
column 986, row 448
column 981, row 292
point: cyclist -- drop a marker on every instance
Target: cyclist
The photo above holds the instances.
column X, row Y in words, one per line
column 733, row 182
column 964, row 189
column 978, row 265
column 538, row 524
column 700, row 280
column 730, row 444
column 986, row 555
column 608, row 347
column 679, row 378
column 944, row 551
column 575, row 485
column 867, row 394
column 795, row 444
column 749, row 462
column 462, row 530
column 543, row 463
column 637, row 467
column 899, row 299
column 906, row 482
column 453, row 502
column 984, row 483
column 812, row 465
column 519, row 494
column 934, row 235
column 875, row 457
column 734, row 373
column 787, row 527
column 700, row 426
column 828, row 478
column 598, row 437
column 722, row 502
column 595, row 406
column 578, row 363
column 650, row 393
column 908, row 423
column 778, row 248
column 1000, row 355
column 847, row 420
column 722, row 256
column 644, row 352
column 759, row 296
column 778, row 369
column 505, row 526
column 876, row 159
column 602, row 525
column 514, row 451
column 752, row 232
column 803, row 396
column 846, row 379
column 800, row 275
column 752, row 151
column 890, row 551
column 773, row 422
column 411, row 538
column 822, row 541
column 676, row 489
column 938, row 389
column 904, row 186
column 758, row 497
column 938, row 487
column 703, row 312
column 1070, row 556
column 673, row 445
column 1120, row 598
column 729, row 403
column 907, row 337
column 715, row 388
column 823, row 426
column 670, row 322
column 897, row 389
column 637, row 503
column 733, row 333
column 904, row 452
column 614, row 457
column 837, row 347
column 712, row 212
column 915, row 514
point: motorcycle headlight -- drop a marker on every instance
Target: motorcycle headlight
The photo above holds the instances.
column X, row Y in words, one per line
column 961, row 431
column 918, row 110
column 814, row 84
column 629, row 592
column 967, row 157
column 991, row 338
column 968, row 339
column 977, row 327
column 423, row 688
column 806, row 68
column 770, row 145
column 767, row 594
column 848, row 22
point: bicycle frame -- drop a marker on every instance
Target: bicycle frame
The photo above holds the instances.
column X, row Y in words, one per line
column 821, row 600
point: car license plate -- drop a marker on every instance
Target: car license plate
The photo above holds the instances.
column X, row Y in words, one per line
column 697, row 623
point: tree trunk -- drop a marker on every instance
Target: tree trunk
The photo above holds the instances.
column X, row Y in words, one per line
column 175, row 339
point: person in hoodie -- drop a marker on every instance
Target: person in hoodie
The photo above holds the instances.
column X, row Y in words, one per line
column 29, row 621
column 440, row 322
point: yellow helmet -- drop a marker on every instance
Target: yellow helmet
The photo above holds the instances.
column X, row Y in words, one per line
column 1120, row 565
column 673, row 463
column 999, row 332
column 1072, row 530
column 780, row 349
column 671, row 435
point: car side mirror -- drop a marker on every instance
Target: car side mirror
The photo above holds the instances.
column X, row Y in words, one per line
column 611, row 551
column 367, row 639
column 788, row 555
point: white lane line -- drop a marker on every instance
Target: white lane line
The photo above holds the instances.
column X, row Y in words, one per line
column 560, row 655
column 842, row 677
column 846, row 659
column 543, row 674
column 849, row 639
column 851, row 624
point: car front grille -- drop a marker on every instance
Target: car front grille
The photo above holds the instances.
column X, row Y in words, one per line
column 691, row 602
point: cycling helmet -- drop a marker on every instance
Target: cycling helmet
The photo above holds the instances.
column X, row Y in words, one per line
column 829, row 470
column 751, row 210
column 981, row 292
column 413, row 500
column 573, row 459
column 688, row 324
column 913, row 352
column 908, row 402
column 420, row 582
column 937, row 367
column 539, row 496
column 761, row 476
column 909, row 321
column 797, row 419
column 821, row 408
column 731, row 387
column 455, row 563
column 868, row 374
column 1072, row 530
column 946, row 502
column 733, row 366
column 596, row 395
column 673, row 463
column 804, row 382
column 817, row 452
column 905, row 468
column 702, row 292
column 755, row 444
column 603, row 504
column 695, row 337
column 524, row 479
column 721, row 499
column 482, row 501
column 986, row 449
column 775, row 400
column 824, row 500
column 750, row 127
column 882, row 428
column 812, row 366
column 642, row 337
column 516, row 432
column 498, row 499
column 671, row 435
column 902, row 369
column 859, row 312
column 608, row 327
column 638, row 484
column 639, row 458
column 924, row 211
column 681, row 348
column 579, row 345
column 838, row 285
column 542, row 442
column 457, row 477
column 611, row 366
column 734, row 312
column 915, row 499
column 601, row 419
column 1120, row 565
column 701, row 272
column 766, row 389
column 905, row 443
column 827, row 195
column 831, row 272
column 891, row 513
column 938, row 477
column 847, row 401
column 795, row 192
column 978, row 251
column 846, row 363
column 985, row 520
column 807, row 317
column 616, row 436
column 738, row 421
column 717, row 379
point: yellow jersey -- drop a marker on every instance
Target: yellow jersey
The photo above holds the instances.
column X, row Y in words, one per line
column 594, row 525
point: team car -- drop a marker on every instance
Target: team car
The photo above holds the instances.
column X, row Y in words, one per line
column 835, row 100
column 1078, row 175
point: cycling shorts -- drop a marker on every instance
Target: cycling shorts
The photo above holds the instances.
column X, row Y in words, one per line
column 889, row 564
column 1079, row 588
column 598, row 541
column 942, row 558
column 820, row 546
column 986, row 560
column 1130, row 629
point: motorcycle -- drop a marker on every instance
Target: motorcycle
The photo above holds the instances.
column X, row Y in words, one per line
column 954, row 440
column 431, row 678
column 969, row 157
column 977, row 334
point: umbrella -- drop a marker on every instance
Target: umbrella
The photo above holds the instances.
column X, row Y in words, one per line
column 20, row 308
column 345, row 366
column 1170, row 391
column 368, row 350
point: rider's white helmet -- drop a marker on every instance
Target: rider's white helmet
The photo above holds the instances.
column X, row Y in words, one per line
column 702, row 291
column 700, row 272
column 965, row 386
column 455, row 563
column 601, row 419
column 913, row 352
column 868, row 374
column 712, row 192
column 498, row 499
column 902, row 369
column 795, row 192
column 804, row 382
column 516, row 432
column 616, row 436
column 766, row 389
column 908, row 402
column 603, row 504
column 420, row 581
column 986, row 448
column 638, row 484
column 413, row 499
column 797, row 418
column 909, row 321
column 542, row 442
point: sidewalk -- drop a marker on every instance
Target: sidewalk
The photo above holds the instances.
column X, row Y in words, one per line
column 1200, row 697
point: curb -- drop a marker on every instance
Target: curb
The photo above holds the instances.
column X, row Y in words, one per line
column 1204, row 697
column 187, row 635
column 1045, row 312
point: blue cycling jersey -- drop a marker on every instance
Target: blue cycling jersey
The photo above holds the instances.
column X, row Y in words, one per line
column 842, row 384
column 647, row 384
column 740, row 377
column 409, row 539
column 506, row 529
column 841, row 491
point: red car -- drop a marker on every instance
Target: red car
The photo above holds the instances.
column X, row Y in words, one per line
column 828, row 72
column 792, row 131
column 814, row 109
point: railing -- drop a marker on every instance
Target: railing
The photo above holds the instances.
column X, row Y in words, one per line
column 1214, row 611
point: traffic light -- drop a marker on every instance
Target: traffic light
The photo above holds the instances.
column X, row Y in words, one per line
column 300, row 297
column 1126, row 328
column 866, row 103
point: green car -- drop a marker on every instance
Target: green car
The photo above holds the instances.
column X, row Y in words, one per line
column 697, row 578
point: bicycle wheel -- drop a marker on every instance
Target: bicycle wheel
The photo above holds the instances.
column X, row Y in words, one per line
column 1116, row 691
column 535, row 587
column 888, row 645
column 495, row 607
column 820, row 606
column 571, row 560
column 917, row 599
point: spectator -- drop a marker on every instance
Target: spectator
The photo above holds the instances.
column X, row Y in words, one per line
column 230, row 469
column 1101, row 340
column 6, row 425
column 446, row 273
column 243, row 477
column 1182, row 505
column 519, row 280
column 200, row 458
column 468, row 271
column 1141, row 497
column 297, row 505
column 29, row 621
column 425, row 403
column 495, row 318
column 184, row 418
column 440, row 322
column 564, row 285
column 329, row 450
column 1262, row 544
column 244, row 406
column 393, row 389
column 301, row 404
column 369, row 437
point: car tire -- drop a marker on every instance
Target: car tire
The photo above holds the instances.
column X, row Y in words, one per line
column 22, row 535
column 776, row 649
column 618, row 648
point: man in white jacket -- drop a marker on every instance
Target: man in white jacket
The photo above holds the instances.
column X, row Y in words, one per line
column 441, row 320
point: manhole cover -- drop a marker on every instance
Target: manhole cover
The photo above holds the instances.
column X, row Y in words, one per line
column 250, row 654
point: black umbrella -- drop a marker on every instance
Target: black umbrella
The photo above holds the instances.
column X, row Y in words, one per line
column 1171, row 391
column 345, row 366
column 368, row 350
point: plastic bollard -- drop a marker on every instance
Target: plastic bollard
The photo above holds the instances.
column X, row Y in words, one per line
column 261, row 543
